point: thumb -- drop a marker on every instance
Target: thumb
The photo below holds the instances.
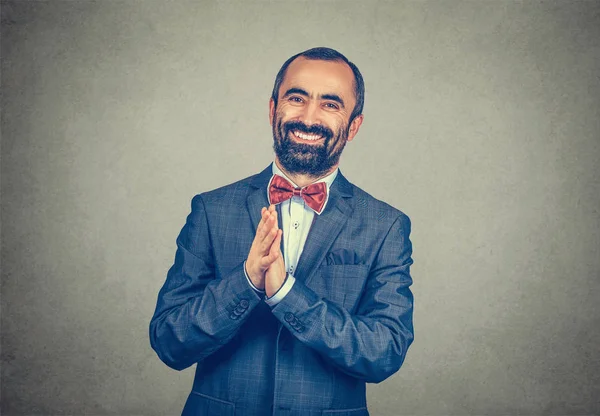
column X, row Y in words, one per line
column 275, row 250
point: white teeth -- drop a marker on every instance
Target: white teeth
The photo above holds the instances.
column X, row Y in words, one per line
column 306, row 136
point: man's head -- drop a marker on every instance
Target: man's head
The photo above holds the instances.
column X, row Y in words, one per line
column 315, row 108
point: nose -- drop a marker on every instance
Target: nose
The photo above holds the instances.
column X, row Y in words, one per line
column 310, row 114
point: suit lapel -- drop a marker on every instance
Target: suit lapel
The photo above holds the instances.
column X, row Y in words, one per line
column 257, row 196
column 325, row 228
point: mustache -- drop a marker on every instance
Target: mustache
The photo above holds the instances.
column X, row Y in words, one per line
column 317, row 129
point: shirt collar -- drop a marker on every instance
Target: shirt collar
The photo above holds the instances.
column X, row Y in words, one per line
column 327, row 179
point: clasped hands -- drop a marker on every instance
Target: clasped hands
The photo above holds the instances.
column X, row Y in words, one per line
column 265, row 266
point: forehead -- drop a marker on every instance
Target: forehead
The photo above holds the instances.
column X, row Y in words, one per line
column 319, row 77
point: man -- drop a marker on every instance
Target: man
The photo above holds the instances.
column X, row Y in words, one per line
column 290, row 288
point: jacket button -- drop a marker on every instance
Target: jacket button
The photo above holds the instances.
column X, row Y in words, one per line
column 233, row 316
column 244, row 303
column 289, row 317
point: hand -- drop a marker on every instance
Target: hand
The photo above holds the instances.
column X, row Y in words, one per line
column 263, row 252
column 275, row 275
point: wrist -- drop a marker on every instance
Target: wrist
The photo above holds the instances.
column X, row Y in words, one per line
column 271, row 290
column 257, row 282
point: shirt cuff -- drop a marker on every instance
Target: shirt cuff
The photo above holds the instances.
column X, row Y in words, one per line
column 283, row 290
column 262, row 291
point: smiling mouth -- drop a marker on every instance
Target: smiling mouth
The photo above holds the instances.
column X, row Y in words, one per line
column 306, row 137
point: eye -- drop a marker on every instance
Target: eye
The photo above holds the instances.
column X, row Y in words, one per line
column 332, row 106
column 296, row 99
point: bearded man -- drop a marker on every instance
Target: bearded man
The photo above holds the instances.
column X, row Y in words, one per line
column 290, row 288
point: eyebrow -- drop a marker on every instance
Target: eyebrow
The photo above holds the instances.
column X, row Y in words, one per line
column 333, row 97
column 300, row 91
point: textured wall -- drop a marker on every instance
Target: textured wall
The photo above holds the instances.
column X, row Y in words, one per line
column 481, row 123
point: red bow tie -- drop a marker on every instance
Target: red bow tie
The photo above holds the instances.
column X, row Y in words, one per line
column 315, row 195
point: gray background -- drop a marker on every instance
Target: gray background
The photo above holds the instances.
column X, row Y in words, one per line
column 481, row 123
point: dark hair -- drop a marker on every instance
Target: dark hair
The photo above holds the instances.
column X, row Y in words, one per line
column 326, row 54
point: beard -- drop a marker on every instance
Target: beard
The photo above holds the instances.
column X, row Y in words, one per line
column 314, row 160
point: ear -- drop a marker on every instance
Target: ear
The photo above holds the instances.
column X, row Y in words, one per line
column 271, row 111
column 354, row 126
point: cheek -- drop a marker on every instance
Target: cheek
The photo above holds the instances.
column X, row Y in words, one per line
column 338, row 120
column 287, row 112
column 338, row 125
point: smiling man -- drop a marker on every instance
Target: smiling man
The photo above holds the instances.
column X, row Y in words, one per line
column 290, row 288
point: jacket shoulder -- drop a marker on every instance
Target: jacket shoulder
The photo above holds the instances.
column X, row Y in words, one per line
column 233, row 192
column 367, row 206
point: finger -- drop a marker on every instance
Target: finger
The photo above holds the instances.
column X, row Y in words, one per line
column 266, row 223
column 264, row 215
column 274, row 253
column 272, row 219
column 275, row 249
column 277, row 242
column 267, row 241
column 262, row 219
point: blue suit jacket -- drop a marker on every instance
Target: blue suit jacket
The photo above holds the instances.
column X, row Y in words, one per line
column 346, row 321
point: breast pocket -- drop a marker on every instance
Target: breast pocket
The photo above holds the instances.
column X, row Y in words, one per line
column 342, row 284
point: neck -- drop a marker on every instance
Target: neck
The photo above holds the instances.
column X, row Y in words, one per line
column 301, row 179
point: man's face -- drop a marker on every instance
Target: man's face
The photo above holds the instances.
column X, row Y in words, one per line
column 311, row 123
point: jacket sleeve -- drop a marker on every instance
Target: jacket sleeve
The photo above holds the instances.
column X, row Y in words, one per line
column 370, row 344
column 196, row 312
